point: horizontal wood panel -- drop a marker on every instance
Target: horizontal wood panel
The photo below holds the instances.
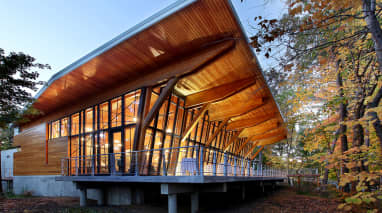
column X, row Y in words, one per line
column 31, row 159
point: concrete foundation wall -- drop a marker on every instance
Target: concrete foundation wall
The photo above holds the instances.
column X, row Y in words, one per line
column 44, row 185
column 47, row 186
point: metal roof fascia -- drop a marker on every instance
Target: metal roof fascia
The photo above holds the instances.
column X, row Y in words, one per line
column 162, row 14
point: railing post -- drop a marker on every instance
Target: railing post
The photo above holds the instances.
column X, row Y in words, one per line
column 136, row 164
column 93, row 165
column 248, row 168
column 242, row 167
column 164, row 171
column 253, row 168
column 214, row 163
column 76, row 166
column 196, row 162
column 112, row 164
column 234, row 166
column 225, row 164
column 201, row 173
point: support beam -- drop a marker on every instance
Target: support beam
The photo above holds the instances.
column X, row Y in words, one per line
column 268, row 134
column 244, row 123
column 188, row 63
column 258, row 151
column 251, row 149
column 272, row 140
column 195, row 121
column 242, row 145
column 233, row 139
column 221, row 111
column 219, row 93
column 263, row 127
column 216, row 132
column 158, row 104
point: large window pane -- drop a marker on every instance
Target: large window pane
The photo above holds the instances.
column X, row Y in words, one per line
column 104, row 151
column 104, row 112
column 116, row 112
column 64, row 127
column 75, row 124
column 56, row 129
column 89, row 120
column 74, row 152
column 131, row 106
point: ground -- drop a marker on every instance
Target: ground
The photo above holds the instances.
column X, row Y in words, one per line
column 284, row 200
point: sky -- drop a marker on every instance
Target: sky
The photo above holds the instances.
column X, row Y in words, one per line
column 58, row 32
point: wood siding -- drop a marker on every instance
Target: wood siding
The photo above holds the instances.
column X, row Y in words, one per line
column 31, row 159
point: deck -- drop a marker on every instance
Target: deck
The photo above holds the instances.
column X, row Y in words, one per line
column 169, row 179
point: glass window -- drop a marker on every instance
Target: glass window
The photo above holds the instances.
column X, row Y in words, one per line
column 56, row 129
column 104, row 112
column 129, row 142
column 75, row 124
column 88, row 145
column 116, row 112
column 64, row 126
column 131, row 106
column 89, row 120
column 129, row 139
column 74, row 154
column 104, row 150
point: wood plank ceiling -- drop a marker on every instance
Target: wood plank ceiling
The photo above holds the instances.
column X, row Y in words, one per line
column 173, row 39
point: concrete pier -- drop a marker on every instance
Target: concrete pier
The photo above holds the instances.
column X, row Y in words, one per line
column 83, row 197
column 172, row 203
column 194, row 202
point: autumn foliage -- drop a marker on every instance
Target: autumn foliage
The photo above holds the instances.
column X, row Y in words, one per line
column 327, row 79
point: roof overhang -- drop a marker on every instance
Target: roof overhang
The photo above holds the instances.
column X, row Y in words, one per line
column 202, row 42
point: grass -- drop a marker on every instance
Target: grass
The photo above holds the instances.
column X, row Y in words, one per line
column 11, row 195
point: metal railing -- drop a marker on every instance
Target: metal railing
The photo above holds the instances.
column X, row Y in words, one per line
column 178, row 161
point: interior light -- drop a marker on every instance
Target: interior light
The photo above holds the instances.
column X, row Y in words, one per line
column 168, row 130
column 135, row 119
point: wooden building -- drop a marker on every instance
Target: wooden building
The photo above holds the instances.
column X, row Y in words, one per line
column 183, row 84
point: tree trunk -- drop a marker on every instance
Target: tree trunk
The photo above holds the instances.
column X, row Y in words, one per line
column 374, row 28
column 331, row 148
column 1, row 178
column 342, row 118
column 377, row 125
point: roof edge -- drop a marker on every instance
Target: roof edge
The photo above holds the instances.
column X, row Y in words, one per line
column 148, row 22
column 254, row 54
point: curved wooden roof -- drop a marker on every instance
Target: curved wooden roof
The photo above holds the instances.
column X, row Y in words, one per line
column 202, row 43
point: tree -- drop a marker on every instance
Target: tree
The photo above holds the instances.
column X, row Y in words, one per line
column 333, row 46
column 17, row 81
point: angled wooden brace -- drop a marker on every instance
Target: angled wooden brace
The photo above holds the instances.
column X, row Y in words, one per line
column 232, row 140
column 242, row 145
column 258, row 151
column 208, row 143
column 251, row 149
column 195, row 121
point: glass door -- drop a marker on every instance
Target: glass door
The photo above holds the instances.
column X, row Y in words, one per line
column 116, row 138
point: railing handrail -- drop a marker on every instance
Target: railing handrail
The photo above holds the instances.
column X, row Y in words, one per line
column 206, row 161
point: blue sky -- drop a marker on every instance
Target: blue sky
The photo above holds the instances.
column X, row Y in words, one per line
column 59, row 32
